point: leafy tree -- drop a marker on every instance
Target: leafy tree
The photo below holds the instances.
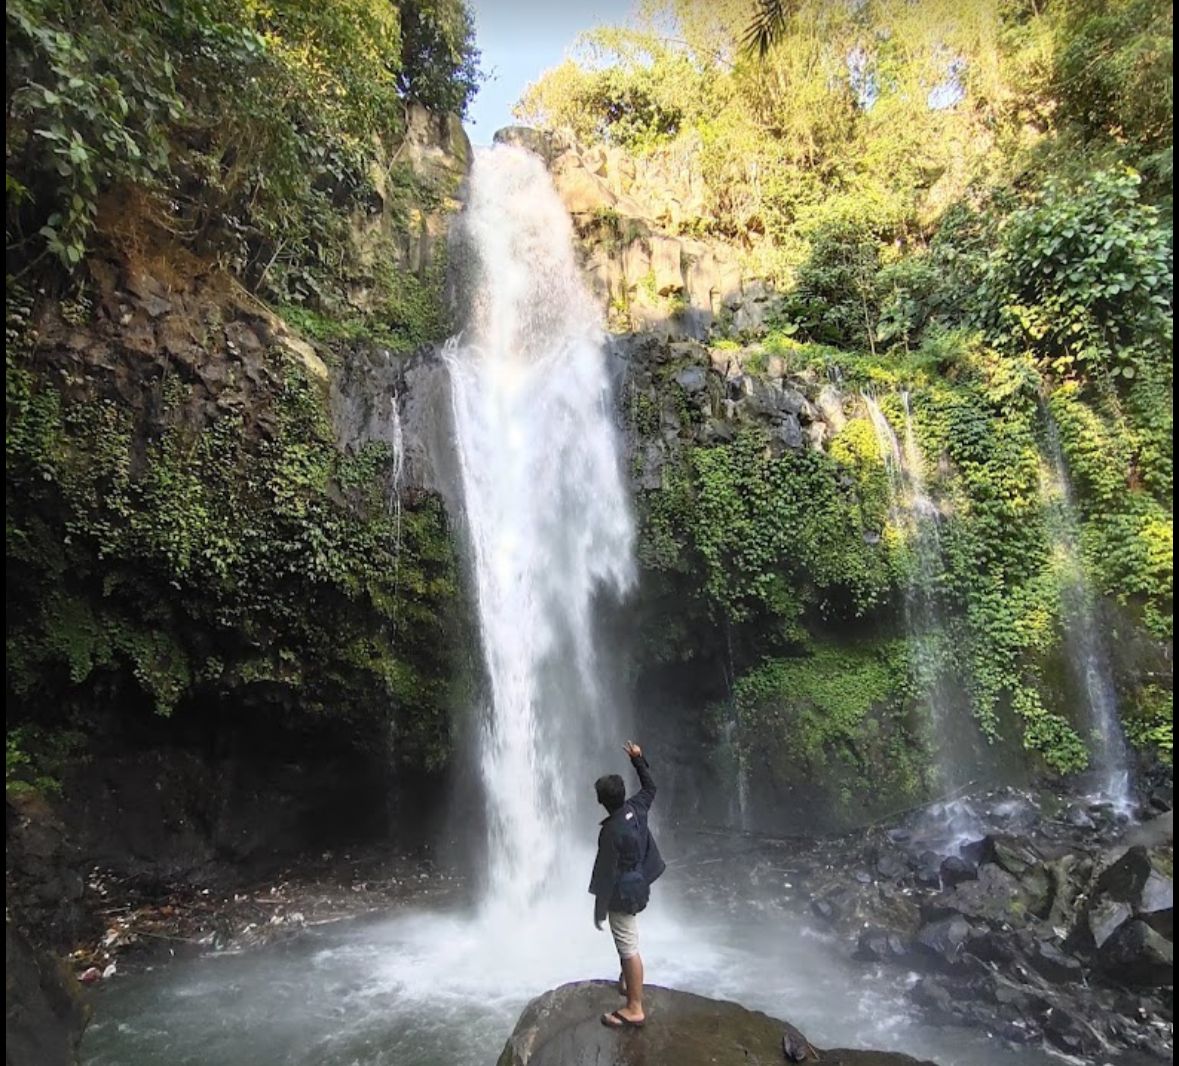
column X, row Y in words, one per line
column 439, row 60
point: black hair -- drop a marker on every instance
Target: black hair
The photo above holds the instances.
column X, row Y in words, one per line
column 611, row 791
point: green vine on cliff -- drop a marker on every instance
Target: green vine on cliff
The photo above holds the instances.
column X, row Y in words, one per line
column 193, row 561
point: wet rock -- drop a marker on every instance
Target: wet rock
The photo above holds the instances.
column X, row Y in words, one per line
column 1067, row 877
column 795, row 1046
column 1069, row 1032
column 822, row 908
column 1105, row 917
column 996, row 896
column 879, row 945
column 1143, row 879
column 891, row 866
column 932, row 994
column 992, row 945
column 1136, row 954
column 562, row 1027
column 1053, row 964
column 1014, row 855
column 1078, row 817
column 1163, row 798
column 955, row 869
column 44, row 1016
column 943, row 940
column 927, row 869
column 928, row 876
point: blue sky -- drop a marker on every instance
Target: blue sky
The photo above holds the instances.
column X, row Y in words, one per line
column 519, row 41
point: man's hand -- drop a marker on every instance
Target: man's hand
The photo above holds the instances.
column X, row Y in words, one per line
column 632, row 750
column 598, row 923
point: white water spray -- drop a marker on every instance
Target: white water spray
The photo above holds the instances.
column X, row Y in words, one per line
column 1087, row 654
column 546, row 510
column 912, row 510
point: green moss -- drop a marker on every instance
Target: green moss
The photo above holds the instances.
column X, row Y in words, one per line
column 210, row 561
column 838, row 713
column 1150, row 720
column 407, row 310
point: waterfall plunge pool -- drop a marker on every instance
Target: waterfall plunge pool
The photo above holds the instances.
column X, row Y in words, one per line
column 423, row 987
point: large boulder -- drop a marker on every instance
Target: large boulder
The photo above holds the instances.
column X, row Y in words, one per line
column 996, row 895
column 1143, row 878
column 943, row 940
column 44, row 1016
column 562, row 1027
column 1136, row 955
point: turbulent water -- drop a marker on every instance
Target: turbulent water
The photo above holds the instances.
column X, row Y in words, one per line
column 435, row 988
column 549, row 531
column 546, row 511
column 1088, row 656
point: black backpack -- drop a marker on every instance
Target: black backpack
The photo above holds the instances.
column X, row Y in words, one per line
column 631, row 891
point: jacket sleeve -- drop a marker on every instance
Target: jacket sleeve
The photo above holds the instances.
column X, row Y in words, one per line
column 605, row 871
column 646, row 794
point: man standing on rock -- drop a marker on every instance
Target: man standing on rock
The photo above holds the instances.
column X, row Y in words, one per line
column 627, row 863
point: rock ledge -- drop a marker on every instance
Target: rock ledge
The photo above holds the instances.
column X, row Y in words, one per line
column 562, row 1028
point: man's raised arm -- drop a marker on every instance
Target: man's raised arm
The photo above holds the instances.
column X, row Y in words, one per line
column 646, row 794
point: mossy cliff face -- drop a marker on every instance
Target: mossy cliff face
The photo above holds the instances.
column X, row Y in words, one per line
column 214, row 581
column 769, row 639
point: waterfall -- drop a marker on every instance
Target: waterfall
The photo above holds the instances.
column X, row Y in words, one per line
column 547, row 517
column 1088, row 657
column 913, row 512
column 398, row 445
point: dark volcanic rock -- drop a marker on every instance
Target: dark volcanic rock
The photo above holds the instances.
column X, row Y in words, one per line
column 879, row 945
column 955, row 869
column 824, row 909
column 1013, row 854
column 44, row 1016
column 1052, row 963
column 1143, row 879
column 996, row 895
column 1137, row 955
column 891, row 866
column 563, row 1028
column 943, row 939
column 1105, row 917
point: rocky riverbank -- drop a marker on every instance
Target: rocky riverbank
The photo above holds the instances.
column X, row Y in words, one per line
column 145, row 924
column 1039, row 919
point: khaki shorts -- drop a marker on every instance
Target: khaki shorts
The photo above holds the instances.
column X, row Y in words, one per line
column 625, row 930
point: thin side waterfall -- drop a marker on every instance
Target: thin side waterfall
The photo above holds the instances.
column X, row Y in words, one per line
column 547, row 517
column 913, row 511
column 398, row 445
column 1088, row 657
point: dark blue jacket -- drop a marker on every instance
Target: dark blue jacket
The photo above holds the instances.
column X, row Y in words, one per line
column 626, row 844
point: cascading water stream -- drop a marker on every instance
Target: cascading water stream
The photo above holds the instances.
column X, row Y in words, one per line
column 1088, row 657
column 546, row 510
column 913, row 511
